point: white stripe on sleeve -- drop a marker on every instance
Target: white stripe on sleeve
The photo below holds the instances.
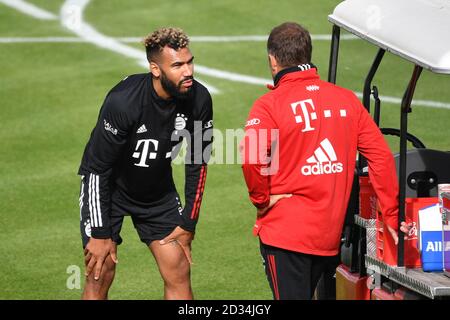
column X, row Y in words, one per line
column 99, row 211
column 90, row 200
column 93, row 200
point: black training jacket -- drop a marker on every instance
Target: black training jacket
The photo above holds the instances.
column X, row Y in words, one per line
column 130, row 150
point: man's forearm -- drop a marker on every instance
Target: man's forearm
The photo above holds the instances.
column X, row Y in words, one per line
column 257, row 184
column 194, row 188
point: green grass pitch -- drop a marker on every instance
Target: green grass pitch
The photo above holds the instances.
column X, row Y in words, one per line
column 50, row 94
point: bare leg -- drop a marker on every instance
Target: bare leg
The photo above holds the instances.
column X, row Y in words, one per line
column 98, row 289
column 175, row 270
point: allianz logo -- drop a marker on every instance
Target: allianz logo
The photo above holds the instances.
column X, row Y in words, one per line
column 253, row 122
column 208, row 125
column 323, row 161
column 435, row 246
column 109, row 127
column 312, row 88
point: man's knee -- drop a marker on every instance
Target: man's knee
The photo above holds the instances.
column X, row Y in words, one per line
column 177, row 278
column 109, row 268
column 177, row 273
column 107, row 273
column 173, row 265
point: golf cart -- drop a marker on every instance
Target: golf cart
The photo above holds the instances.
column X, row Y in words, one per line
column 372, row 266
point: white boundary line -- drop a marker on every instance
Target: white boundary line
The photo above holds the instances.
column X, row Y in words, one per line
column 422, row 103
column 29, row 9
column 72, row 18
column 246, row 38
column 40, row 39
column 207, row 39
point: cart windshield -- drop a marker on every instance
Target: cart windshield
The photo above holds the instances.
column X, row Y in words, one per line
column 416, row 30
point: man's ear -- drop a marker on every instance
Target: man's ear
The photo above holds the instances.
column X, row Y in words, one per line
column 154, row 69
column 273, row 64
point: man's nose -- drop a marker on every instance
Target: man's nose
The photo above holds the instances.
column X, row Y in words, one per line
column 188, row 70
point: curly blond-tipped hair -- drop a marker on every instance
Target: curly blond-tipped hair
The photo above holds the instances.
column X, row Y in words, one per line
column 155, row 42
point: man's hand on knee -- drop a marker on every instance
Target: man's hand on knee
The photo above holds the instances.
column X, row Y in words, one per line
column 184, row 239
column 95, row 254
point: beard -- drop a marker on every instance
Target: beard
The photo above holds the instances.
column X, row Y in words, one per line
column 173, row 89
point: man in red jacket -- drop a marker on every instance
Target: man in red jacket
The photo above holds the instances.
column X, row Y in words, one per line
column 299, row 156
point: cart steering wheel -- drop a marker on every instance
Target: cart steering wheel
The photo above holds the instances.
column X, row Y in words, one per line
column 409, row 137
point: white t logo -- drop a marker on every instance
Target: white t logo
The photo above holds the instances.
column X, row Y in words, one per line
column 143, row 155
column 307, row 117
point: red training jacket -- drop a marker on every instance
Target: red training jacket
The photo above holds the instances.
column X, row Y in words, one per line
column 302, row 138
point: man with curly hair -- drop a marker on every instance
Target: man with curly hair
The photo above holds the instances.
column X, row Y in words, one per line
column 126, row 167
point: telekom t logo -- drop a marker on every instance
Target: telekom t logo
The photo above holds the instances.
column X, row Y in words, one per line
column 307, row 116
column 145, row 151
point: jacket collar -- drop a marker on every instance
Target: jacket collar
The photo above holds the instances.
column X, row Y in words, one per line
column 302, row 71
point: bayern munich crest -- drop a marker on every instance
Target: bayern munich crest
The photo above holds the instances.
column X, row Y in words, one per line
column 180, row 121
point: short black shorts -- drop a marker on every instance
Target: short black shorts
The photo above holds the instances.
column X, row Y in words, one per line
column 152, row 223
column 293, row 275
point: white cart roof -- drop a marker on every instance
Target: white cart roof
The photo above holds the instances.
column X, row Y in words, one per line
column 417, row 30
